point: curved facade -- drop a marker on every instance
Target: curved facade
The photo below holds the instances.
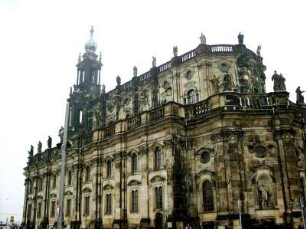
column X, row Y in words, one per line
column 177, row 146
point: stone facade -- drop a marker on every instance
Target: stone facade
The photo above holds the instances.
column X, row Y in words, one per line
column 177, row 146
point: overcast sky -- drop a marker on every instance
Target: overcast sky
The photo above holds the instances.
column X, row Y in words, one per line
column 40, row 41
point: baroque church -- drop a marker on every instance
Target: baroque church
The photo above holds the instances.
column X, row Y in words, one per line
column 195, row 142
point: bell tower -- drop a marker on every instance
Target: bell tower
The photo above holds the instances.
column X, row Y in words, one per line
column 87, row 85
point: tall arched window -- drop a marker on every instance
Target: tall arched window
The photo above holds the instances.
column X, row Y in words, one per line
column 134, row 163
column 191, row 97
column 157, row 159
column 134, row 202
column 208, row 196
column 159, row 197
column 69, row 178
column 87, row 173
column 108, row 168
column 108, row 204
column 54, row 181
column 40, row 184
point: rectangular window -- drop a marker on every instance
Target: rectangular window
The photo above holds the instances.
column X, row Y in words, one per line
column 108, row 169
column 52, row 210
column 39, row 210
column 31, row 187
column 108, row 206
column 158, row 159
column 86, row 205
column 68, row 207
column 29, row 215
column 69, row 178
column 134, row 164
column 40, row 184
column 159, row 197
column 87, row 174
column 134, row 204
column 54, row 182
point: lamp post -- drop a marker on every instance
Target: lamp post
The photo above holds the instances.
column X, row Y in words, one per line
column 291, row 216
column 301, row 204
column 239, row 208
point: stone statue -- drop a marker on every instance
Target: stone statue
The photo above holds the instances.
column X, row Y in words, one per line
column 227, row 81
column 203, row 39
column 258, row 50
column 103, row 88
column 264, row 197
column 299, row 96
column 153, row 61
column 279, row 82
column 240, row 38
column 175, row 51
column 215, row 84
column 135, row 71
column 259, row 197
column 49, row 142
column 118, row 80
column 39, row 145
column 167, row 87
column 31, row 151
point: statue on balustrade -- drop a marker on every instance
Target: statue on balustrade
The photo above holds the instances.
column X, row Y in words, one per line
column 49, row 142
column 240, row 38
column 118, row 80
column 215, row 84
column 258, row 50
column 153, row 61
column 135, row 71
column 279, row 82
column 175, row 51
column 39, row 145
column 299, row 96
column 31, row 151
column 103, row 88
column 203, row 39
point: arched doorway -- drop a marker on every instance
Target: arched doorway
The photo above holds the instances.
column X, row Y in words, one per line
column 158, row 220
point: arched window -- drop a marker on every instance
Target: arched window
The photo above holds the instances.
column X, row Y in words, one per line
column 108, row 169
column 159, row 197
column 302, row 183
column 134, row 201
column 157, row 159
column 108, row 204
column 208, row 196
column 134, row 163
column 87, row 174
column 54, row 182
column 191, row 97
column 86, row 205
column 40, row 184
column 69, row 178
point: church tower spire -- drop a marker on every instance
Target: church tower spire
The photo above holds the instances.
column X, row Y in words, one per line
column 87, row 85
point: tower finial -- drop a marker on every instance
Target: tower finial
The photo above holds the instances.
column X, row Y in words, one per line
column 91, row 32
column 91, row 44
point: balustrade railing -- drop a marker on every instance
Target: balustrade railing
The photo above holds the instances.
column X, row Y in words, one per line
column 109, row 131
column 157, row 113
column 144, row 76
column 221, row 48
column 188, row 55
column 165, row 66
column 133, row 122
